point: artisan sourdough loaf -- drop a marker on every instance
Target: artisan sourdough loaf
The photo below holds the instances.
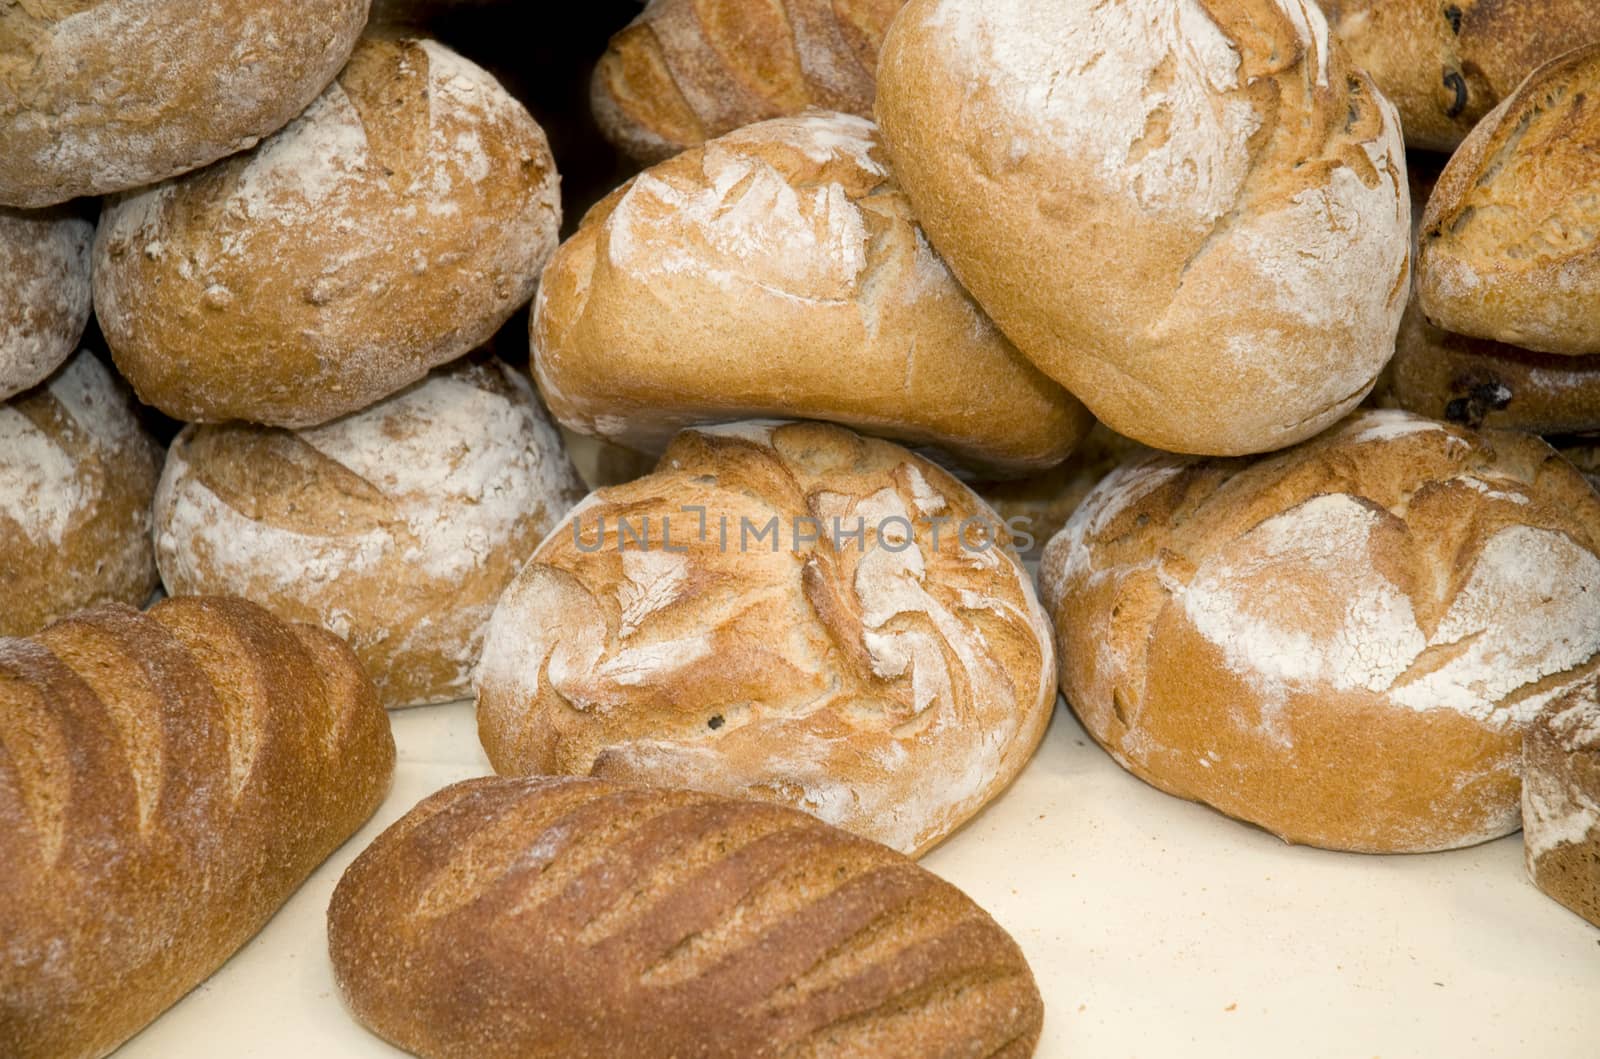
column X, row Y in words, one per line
column 1191, row 214
column 77, row 472
column 44, row 295
column 1507, row 244
column 393, row 227
column 103, row 95
column 1343, row 643
column 687, row 71
column 396, row 528
column 1561, row 801
column 571, row 918
column 778, row 271
column 817, row 619
column 167, row 780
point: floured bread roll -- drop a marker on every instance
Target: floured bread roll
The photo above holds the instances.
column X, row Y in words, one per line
column 890, row 683
column 1561, row 801
column 397, row 527
column 76, row 475
column 778, row 271
column 44, row 293
column 393, row 227
column 1342, row 643
column 1192, row 215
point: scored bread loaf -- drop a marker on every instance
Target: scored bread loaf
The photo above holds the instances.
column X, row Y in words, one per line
column 570, row 918
column 167, row 780
column 77, row 473
column 778, row 271
column 784, row 611
column 1193, row 216
column 393, row 227
column 1508, row 236
column 1561, row 801
column 44, row 298
column 99, row 96
column 685, row 71
column 1342, row 643
column 396, row 528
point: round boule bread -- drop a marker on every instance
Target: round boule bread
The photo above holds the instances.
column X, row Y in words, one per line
column 1193, row 216
column 397, row 527
column 99, row 96
column 1342, row 643
column 393, row 227
column 77, row 472
column 1561, row 801
column 45, row 293
column 783, row 611
column 1507, row 242
column 778, row 271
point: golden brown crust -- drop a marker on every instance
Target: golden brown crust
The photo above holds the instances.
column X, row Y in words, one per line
column 574, row 918
column 166, row 781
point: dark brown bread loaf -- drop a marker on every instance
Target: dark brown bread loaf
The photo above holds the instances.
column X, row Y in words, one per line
column 166, row 781
column 572, row 918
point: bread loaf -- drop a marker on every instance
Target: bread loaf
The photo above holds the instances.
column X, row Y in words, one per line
column 44, row 299
column 573, row 918
column 1191, row 215
column 685, row 71
column 1561, row 801
column 1508, row 233
column 77, row 472
column 1342, row 643
column 778, row 271
column 103, row 95
column 393, row 227
column 396, row 528
column 167, row 780
column 846, row 632
column 1446, row 64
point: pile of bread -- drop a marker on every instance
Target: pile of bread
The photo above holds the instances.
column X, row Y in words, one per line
column 906, row 292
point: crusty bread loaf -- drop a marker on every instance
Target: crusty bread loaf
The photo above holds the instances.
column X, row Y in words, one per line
column 686, row 71
column 1342, row 643
column 102, row 95
column 397, row 527
column 77, row 472
column 44, row 296
column 167, row 780
column 1508, row 236
column 1561, row 801
column 393, row 227
column 778, row 271
column 1446, row 63
column 1191, row 215
column 842, row 633
column 572, row 918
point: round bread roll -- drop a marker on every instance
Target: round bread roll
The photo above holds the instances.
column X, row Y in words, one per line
column 1193, row 217
column 44, row 296
column 77, row 472
column 393, row 227
column 1508, row 236
column 778, row 271
column 99, row 96
column 396, row 528
column 1446, row 63
column 782, row 611
column 1342, row 643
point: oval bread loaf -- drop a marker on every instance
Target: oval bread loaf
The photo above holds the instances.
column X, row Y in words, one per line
column 44, row 297
column 778, row 271
column 1561, row 801
column 99, row 96
column 1342, row 643
column 167, row 780
column 572, row 918
column 77, row 473
column 1192, row 215
column 393, row 227
column 841, row 633
column 396, row 528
